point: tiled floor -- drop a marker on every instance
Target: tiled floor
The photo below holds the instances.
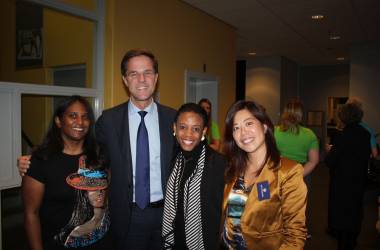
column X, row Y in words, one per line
column 14, row 237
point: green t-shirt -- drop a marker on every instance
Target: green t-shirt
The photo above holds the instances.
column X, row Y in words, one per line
column 296, row 146
column 214, row 135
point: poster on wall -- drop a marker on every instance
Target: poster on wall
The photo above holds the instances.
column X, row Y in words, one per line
column 29, row 39
column 315, row 118
column 29, row 48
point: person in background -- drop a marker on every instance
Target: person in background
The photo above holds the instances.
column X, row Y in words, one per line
column 348, row 160
column 336, row 132
column 265, row 195
column 298, row 143
column 49, row 201
column 373, row 142
column 194, row 192
column 295, row 141
column 213, row 134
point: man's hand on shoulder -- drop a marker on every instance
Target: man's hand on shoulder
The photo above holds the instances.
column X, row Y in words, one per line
column 23, row 163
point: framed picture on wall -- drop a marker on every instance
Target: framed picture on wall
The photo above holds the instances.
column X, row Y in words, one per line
column 29, row 48
column 315, row 118
column 29, row 35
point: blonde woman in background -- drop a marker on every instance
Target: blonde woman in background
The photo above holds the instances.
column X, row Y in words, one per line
column 297, row 142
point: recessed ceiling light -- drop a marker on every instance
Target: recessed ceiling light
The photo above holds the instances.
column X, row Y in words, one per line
column 317, row 17
column 334, row 37
column 340, row 58
column 251, row 53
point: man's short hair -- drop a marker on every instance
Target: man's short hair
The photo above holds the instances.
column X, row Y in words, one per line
column 137, row 52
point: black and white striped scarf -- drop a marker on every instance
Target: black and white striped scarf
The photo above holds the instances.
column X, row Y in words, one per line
column 191, row 203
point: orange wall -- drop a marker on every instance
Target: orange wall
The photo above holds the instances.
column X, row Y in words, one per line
column 35, row 117
column 8, row 70
column 181, row 37
column 67, row 40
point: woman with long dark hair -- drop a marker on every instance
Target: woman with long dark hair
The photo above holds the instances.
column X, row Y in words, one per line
column 265, row 196
column 49, row 200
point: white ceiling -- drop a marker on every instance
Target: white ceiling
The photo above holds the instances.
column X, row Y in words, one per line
column 285, row 27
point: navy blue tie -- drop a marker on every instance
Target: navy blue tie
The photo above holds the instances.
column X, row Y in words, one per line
column 142, row 186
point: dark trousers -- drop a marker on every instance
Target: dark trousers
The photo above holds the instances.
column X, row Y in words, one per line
column 145, row 229
column 346, row 240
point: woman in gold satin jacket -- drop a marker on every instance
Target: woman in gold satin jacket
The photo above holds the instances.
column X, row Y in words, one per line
column 265, row 196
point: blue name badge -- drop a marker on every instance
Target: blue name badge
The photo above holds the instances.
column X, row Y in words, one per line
column 263, row 190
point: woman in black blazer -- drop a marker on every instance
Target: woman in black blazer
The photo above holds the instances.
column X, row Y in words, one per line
column 194, row 192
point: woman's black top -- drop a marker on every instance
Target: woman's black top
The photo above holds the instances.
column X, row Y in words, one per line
column 189, row 165
column 212, row 186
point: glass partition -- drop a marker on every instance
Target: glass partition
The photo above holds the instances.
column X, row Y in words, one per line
column 36, row 40
column 47, row 51
column 36, row 116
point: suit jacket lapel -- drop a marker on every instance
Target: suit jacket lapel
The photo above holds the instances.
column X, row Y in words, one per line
column 163, row 149
column 124, row 142
column 165, row 125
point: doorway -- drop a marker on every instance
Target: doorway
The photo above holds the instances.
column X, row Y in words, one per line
column 200, row 85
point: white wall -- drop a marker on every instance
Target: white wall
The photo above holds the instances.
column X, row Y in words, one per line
column 317, row 83
column 8, row 129
column 365, row 81
column 289, row 81
column 263, row 81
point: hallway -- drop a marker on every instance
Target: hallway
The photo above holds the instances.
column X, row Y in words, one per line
column 14, row 237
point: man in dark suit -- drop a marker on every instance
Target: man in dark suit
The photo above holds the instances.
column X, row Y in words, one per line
column 135, row 226
column 116, row 129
